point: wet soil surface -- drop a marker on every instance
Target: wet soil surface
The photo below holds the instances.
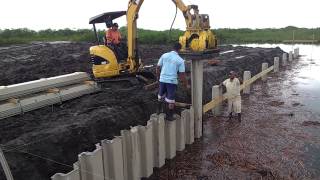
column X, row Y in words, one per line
column 277, row 139
column 41, row 143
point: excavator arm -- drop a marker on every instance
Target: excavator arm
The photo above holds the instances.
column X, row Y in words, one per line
column 192, row 19
column 185, row 11
column 193, row 22
column 180, row 4
column 132, row 16
column 197, row 28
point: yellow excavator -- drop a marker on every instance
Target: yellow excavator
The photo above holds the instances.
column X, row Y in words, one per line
column 107, row 63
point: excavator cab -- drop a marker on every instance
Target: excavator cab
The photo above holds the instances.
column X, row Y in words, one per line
column 108, row 60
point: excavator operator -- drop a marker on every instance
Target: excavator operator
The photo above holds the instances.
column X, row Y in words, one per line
column 113, row 40
column 113, row 36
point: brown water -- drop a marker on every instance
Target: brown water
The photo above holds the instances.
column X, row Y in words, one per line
column 278, row 138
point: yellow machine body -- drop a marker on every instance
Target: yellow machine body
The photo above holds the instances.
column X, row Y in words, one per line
column 109, row 65
column 198, row 41
column 105, row 62
column 198, row 37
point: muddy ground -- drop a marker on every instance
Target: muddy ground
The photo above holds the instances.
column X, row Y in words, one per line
column 278, row 137
column 41, row 143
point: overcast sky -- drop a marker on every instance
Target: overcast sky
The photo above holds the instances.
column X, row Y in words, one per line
column 158, row 14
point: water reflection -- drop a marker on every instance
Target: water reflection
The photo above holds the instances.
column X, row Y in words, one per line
column 306, row 78
column 308, row 51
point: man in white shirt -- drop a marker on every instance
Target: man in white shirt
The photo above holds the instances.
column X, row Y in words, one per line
column 170, row 67
column 233, row 93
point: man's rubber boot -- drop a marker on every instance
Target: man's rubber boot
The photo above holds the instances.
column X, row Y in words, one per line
column 160, row 105
column 169, row 114
column 239, row 117
column 230, row 116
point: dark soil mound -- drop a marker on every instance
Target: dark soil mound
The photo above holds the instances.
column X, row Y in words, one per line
column 61, row 132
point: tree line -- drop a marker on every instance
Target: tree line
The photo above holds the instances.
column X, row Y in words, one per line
column 224, row 36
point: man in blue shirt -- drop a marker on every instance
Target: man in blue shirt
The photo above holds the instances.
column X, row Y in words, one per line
column 170, row 65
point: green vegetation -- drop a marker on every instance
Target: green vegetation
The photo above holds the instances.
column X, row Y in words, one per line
column 18, row 36
column 267, row 35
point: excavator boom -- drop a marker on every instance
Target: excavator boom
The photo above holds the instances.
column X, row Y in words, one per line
column 132, row 16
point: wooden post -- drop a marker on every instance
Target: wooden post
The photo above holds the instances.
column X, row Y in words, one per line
column 296, row 53
column 170, row 139
column 181, row 130
column 131, row 154
column 246, row 76
column 91, row 165
column 216, row 93
column 113, row 158
column 276, row 64
column 290, row 56
column 159, row 150
column 264, row 67
column 73, row 175
column 5, row 166
column 284, row 59
column 197, row 86
column 146, row 146
column 189, row 125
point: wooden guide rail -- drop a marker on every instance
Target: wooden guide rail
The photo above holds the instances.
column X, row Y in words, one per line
column 216, row 101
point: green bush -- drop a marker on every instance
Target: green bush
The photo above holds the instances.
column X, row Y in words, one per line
column 224, row 36
column 266, row 35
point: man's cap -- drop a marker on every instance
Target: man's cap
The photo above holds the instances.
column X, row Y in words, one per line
column 232, row 73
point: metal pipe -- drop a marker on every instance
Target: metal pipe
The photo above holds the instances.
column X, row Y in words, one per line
column 95, row 33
